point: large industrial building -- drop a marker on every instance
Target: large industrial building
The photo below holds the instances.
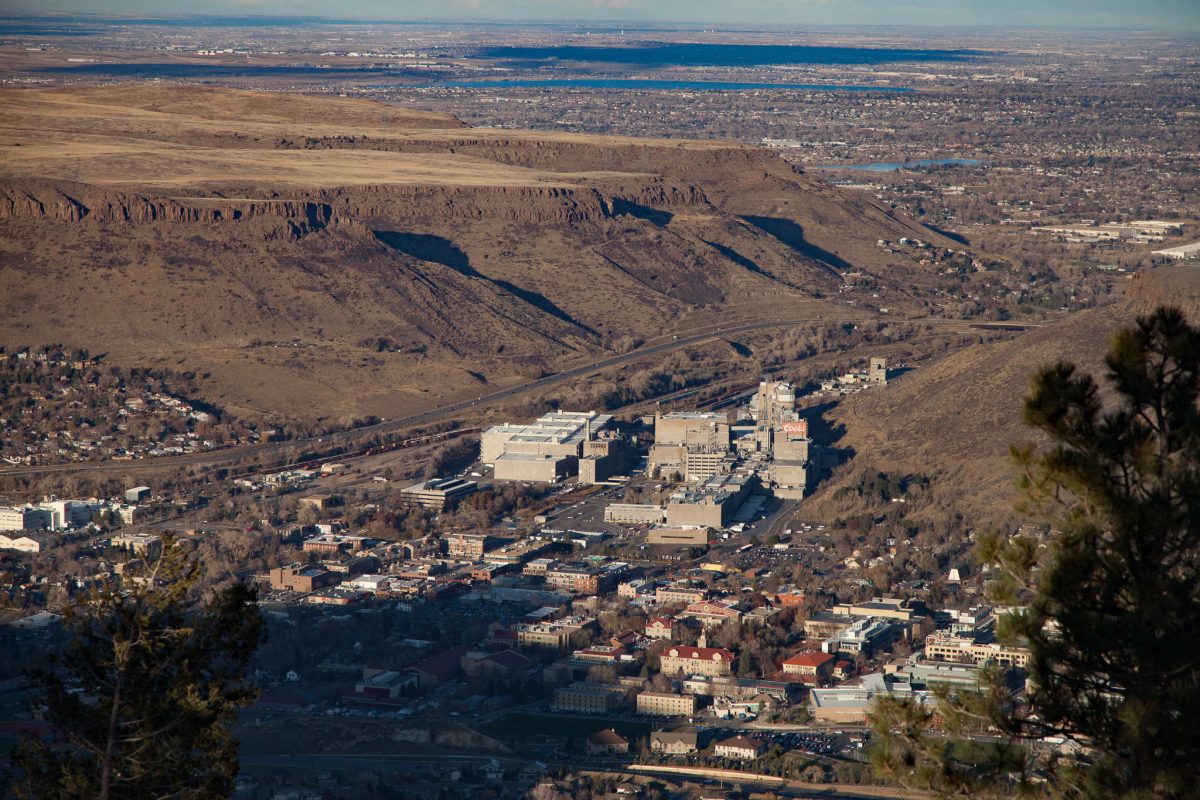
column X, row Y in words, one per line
column 24, row 518
column 1183, row 252
column 780, row 431
column 692, row 429
column 604, row 456
column 773, row 403
column 679, row 537
column 635, row 513
column 544, row 451
column 438, row 493
column 695, row 445
column 711, row 503
column 70, row 513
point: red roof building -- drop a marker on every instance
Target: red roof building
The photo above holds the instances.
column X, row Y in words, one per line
column 810, row 664
column 712, row 661
column 661, row 628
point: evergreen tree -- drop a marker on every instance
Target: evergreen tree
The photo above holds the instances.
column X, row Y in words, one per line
column 1114, row 614
column 143, row 692
column 1111, row 608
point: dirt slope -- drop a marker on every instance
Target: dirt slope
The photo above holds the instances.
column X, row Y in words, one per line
column 955, row 419
column 316, row 256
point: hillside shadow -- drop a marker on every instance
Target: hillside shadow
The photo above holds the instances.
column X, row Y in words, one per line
column 429, row 248
column 654, row 215
column 826, row 433
column 958, row 237
column 440, row 250
column 741, row 349
column 735, row 257
column 792, row 235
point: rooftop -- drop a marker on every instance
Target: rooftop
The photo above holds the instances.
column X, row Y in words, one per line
column 440, row 485
column 558, row 427
column 811, row 658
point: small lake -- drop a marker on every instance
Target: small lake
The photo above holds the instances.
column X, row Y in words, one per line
column 893, row 166
column 668, row 85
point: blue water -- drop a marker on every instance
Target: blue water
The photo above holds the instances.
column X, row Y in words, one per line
column 892, row 166
column 690, row 54
column 634, row 83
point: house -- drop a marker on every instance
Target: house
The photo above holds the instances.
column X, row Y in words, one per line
column 740, row 747
column 626, row 639
column 811, row 666
column 606, row 743
column 675, row 744
column 662, row 628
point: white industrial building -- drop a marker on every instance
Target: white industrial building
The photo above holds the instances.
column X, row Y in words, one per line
column 545, row 450
column 70, row 513
column 24, row 518
column 1182, row 252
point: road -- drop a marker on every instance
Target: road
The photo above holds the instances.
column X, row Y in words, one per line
column 454, row 410
column 441, row 414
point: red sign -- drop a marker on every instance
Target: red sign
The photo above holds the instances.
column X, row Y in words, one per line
column 797, row 429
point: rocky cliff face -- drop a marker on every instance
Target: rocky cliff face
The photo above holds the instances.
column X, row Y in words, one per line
column 515, row 204
column 71, row 202
column 78, row 203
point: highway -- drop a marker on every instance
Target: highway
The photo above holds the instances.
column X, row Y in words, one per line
column 454, row 410
column 441, row 414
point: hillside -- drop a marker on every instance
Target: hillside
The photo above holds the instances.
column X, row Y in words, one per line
column 955, row 419
column 326, row 257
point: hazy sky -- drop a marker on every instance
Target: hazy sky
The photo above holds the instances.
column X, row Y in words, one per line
column 1171, row 14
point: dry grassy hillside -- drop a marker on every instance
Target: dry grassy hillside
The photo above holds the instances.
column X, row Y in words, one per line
column 315, row 256
column 955, row 419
